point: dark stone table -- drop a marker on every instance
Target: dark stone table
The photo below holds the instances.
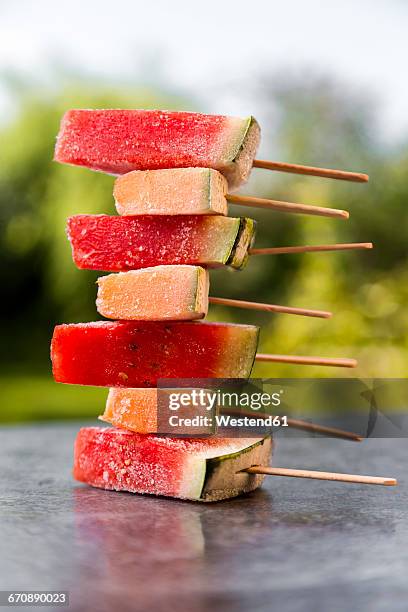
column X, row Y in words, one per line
column 292, row 546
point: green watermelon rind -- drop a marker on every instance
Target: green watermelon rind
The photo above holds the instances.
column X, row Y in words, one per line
column 216, row 202
column 212, row 464
column 233, row 149
column 244, row 239
column 254, row 352
column 239, row 154
column 248, row 123
column 222, row 252
column 197, row 299
column 206, row 468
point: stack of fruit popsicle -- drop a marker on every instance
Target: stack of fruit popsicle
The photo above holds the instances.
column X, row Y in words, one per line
column 172, row 226
column 156, row 300
column 171, row 195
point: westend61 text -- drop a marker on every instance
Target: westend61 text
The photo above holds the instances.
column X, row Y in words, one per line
column 228, row 421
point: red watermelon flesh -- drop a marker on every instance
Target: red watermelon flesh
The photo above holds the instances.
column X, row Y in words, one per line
column 119, row 141
column 188, row 468
column 138, row 354
column 120, row 243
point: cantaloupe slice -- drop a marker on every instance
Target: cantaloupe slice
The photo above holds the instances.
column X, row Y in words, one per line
column 187, row 468
column 147, row 410
column 155, row 294
column 179, row 191
column 133, row 409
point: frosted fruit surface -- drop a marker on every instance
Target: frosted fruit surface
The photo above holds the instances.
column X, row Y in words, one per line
column 146, row 410
column 122, row 460
column 155, row 294
column 180, row 191
column 115, row 243
column 119, row 141
column 134, row 409
column 138, row 354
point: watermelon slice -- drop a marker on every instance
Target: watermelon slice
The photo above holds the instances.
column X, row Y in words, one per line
column 179, row 191
column 188, row 468
column 132, row 354
column 116, row 244
column 155, row 294
column 119, row 141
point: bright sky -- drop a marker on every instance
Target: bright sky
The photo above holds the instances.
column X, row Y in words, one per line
column 200, row 47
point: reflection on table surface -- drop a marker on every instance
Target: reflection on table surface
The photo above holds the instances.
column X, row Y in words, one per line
column 291, row 545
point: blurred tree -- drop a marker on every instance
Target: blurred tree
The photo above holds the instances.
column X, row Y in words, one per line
column 321, row 124
column 36, row 197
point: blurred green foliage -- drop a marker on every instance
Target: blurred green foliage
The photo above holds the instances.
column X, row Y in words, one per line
column 315, row 123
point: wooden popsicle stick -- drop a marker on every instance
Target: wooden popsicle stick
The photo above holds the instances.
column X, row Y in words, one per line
column 311, row 249
column 342, row 175
column 290, row 207
column 324, row 430
column 300, row 360
column 355, row 478
column 306, row 312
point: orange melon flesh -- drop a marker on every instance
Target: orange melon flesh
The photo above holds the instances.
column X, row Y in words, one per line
column 180, row 191
column 159, row 293
column 134, row 409
column 138, row 411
